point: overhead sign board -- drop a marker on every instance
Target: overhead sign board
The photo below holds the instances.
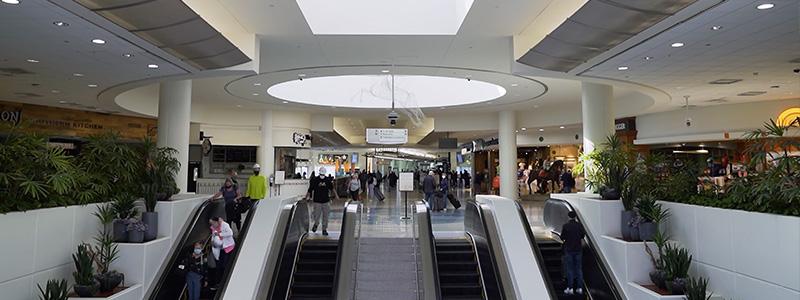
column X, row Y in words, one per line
column 387, row 136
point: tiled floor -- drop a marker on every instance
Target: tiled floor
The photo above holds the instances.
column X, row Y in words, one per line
column 384, row 218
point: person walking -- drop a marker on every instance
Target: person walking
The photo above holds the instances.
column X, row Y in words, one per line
column 221, row 231
column 567, row 182
column 319, row 188
column 429, row 187
column 371, row 184
column 195, row 267
column 363, row 177
column 256, row 184
column 444, row 187
column 572, row 234
column 478, row 182
column 231, row 193
column 392, row 179
column 355, row 186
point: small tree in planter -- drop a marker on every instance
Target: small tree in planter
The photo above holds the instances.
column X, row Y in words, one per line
column 85, row 283
column 159, row 167
column 105, row 252
column 659, row 275
column 125, row 208
column 54, row 290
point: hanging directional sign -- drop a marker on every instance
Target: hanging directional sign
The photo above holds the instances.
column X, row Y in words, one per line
column 387, row 136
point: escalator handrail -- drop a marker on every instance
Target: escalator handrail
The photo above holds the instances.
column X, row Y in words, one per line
column 430, row 266
column 590, row 241
column 277, row 252
column 345, row 257
column 174, row 253
column 537, row 252
column 492, row 253
column 232, row 261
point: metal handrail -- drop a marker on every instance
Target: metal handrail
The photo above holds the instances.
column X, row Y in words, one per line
column 427, row 250
column 288, row 218
column 591, row 242
column 492, row 251
column 358, row 250
column 344, row 260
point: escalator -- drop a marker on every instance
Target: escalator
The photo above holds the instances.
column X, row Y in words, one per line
column 168, row 285
column 459, row 275
column 315, row 270
column 599, row 283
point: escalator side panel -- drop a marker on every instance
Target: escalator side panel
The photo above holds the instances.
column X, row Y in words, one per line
column 295, row 230
column 474, row 225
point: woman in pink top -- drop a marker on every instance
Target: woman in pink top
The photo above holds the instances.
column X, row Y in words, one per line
column 221, row 231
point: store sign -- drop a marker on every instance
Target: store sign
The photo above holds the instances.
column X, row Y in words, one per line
column 299, row 138
column 625, row 125
column 387, row 136
column 11, row 116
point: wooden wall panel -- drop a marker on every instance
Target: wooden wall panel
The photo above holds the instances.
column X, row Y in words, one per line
column 65, row 122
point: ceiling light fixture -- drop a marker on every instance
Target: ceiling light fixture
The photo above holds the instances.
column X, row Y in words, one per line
column 61, row 23
column 715, row 28
column 301, row 75
column 765, row 6
column 92, row 85
column 55, row 91
column 622, row 68
column 384, row 71
column 14, row 2
column 98, row 41
column 62, row 102
column 541, row 129
column 514, row 84
column 255, row 94
column 677, row 45
column 127, row 55
column 648, row 57
column 285, row 102
column 31, row 60
column 238, row 105
column 257, row 84
column 562, row 127
column 152, row 66
column 77, row 74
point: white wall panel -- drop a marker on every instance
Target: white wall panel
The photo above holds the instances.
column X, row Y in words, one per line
column 53, row 236
column 748, row 288
column 682, row 225
column 19, row 230
column 19, row 288
column 788, row 250
column 723, row 282
column 86, row 225
column 57, row 273
column 714, row 243
column 463, row 122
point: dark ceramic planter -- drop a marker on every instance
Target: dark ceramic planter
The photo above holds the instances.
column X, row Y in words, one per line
column 626, row 217
column 677, row 286
column 611, row 194
column 151, row 219
column 120, row 232
column 647, row 230
column 108, row 281
column 85, row 290
column 659, row 278
column 135, row 236
column 635, row 234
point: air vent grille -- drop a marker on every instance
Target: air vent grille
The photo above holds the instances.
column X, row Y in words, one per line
column 725, row 81
column 751, row 93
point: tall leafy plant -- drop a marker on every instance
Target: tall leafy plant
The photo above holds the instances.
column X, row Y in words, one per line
column 608, row 166
column 112, row 167
column 159, row 167
column 84, row 267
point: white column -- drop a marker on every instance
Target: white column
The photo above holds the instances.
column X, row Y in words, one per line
column 508, row 154
column 174, row 112
column 597, row 102
column 266, row 157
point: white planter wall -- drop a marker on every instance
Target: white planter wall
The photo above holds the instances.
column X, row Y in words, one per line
column 746, row 255
column 38, row 246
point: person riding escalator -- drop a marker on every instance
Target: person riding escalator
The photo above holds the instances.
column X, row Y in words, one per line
column 222, row 246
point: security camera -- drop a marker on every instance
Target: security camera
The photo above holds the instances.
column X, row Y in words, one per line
column 469, row 79
column 393, row 116
column 796, row 71
column 688, row 122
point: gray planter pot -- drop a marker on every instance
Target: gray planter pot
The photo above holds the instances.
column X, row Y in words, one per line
column 120, row 232
column 635, row 234
column 626, row 217
column 151, row 219
column 135, row 236
column 647, row 230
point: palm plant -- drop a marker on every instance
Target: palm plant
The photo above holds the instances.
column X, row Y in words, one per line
column 696, row 289
column 111, row 166
column 54, row 290
column 124, row 206
column 158, row 172
column 608, row 166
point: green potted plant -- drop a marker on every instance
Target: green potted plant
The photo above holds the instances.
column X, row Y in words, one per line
column 696, row 289
column 159, row 167
column 653, row 214
column 136, row 229
column 659, row 274
column 124, row 206
column 676, row 263
column 105, row 251
column 85, row 284
column 54, row 290
column 630, row 196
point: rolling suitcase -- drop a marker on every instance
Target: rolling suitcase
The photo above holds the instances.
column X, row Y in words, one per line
column 453, row 201
column 379, row 195
column 437, row 202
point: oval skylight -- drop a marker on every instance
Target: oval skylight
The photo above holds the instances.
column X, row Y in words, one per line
column 375, row 91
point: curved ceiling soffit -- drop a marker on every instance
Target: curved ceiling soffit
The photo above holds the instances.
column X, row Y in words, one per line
column 109, row 96
column 545, row 87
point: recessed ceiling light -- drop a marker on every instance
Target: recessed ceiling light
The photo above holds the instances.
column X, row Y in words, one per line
column 257, row 84
column 535, row 106
column 255, row 94
column 441, row 107
column 98, row 41
column 490, row 102
column 285, row 102
column 765, row 6
column 31, row 60
column 562, row 127
column 238, row 105
column 514, row 84
column 127, row 55
column 62, row 102
column 77, row 74
column 384, row 71
column 523, row 128
column 55, row 91
column 61, row 23
column 718, row 27
column 517, row 95
column 301, row 75
column 517, row 130
column 152, row 66
column 541, row 129
column 648, row 57
column 11, row 1
column 622, row 68
column 92, row 85
column 677, row 45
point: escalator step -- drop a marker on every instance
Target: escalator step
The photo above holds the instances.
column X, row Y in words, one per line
column 461, row 289
column 458, row 266
column 310, row 297
column 305, row 276
column 459, row 277
column 318, row 254
column 313, row 289
column 462, row 298
column 463, row 255
column 316, row 265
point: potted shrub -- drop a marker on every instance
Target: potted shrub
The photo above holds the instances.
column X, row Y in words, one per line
column 696, row 289
column 85, row 284
column 54, row 290
column 125, row 208
column 659, row 275
column 630, row 195
column 634, row 224
column 653, row 214
column 676, row 263
column 105, row 252
column 159, row 167
column 136, row 229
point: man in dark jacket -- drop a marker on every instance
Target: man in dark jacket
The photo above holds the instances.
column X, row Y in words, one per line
column 572, row 234
column 318, row 190
column 429, row 186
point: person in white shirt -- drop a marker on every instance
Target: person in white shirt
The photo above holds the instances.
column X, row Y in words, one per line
column 221, row 231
